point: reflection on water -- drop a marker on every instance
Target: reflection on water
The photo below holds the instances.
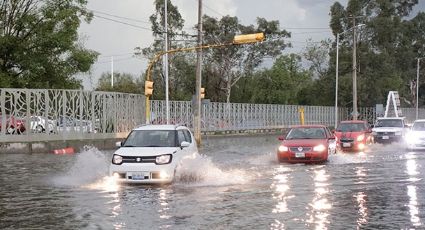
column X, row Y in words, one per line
column 280, row 187
column 320, row 204
column 362, row 209
column 361, row 198
column 411, row 169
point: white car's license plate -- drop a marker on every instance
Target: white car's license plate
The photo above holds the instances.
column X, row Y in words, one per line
column 385, row 137
column 346, row 144
column 139, row 175
column 300, row 155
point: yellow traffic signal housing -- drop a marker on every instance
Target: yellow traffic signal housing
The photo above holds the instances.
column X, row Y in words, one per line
column 202, row 93
column 248, row 38
column 148, row 88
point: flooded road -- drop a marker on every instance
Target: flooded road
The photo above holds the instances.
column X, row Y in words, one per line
column 236, row 183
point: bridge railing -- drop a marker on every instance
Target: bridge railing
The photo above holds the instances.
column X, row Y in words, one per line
column 218, row 116
column 49, row 114
column 77, row 114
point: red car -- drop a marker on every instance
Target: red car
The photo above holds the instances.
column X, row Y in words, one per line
column 306, row 144
column 353, row 135
column 13, row 125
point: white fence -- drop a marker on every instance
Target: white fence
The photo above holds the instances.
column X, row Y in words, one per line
column 75, row 114
column 41, row 114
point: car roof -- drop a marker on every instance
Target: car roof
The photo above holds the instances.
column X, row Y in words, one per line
column 309, row 126
column 420, row 120
column 390, row 118
column 158, row 127
column 353, row 121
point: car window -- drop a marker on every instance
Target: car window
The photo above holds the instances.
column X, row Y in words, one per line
column 306, row 133
column 389, row 123
column 151, row 138
column 187, row 135
column 351, row 127
column 181, row 136
column 418, row 126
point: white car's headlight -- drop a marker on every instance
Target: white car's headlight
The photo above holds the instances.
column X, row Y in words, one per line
column 374, row 133
column 283, row 149
column 117, row 159
column 398, row 133
column 360, row 137
column 163, row 159
column 319, row 148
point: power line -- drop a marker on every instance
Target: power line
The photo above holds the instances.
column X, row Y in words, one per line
column 117, row 60
column 121, row 17
column 121, row 22
column 115, row 55
column 305, row 28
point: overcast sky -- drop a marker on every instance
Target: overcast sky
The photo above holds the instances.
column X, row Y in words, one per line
column 303, row 18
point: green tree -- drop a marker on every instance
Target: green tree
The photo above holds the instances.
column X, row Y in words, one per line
column 284, row 83
column 123, row 82
column 226, row 66
column 39, row 43
column 181, row 71
column 384, row 49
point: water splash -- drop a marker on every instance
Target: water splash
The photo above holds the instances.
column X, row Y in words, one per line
column 200, row 170
column 264, row 159
column 89, row 166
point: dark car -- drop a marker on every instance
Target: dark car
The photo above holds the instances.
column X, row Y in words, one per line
column 306, row 144
column 13, row 125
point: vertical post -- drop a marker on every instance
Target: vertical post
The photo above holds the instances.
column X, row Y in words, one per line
column 112, row 71
column 197, row 109
column 167, row 105
column 417, row 89
column 301, row 111
column 336, row 80
column 354, row 72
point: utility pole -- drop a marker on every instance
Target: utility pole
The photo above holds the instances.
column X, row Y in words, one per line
column 197, row 104
column 417, row 88
column 167, row 103
column 112, row 71
column 354, row 71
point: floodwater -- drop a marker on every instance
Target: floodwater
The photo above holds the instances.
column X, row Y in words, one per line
column 235, row 184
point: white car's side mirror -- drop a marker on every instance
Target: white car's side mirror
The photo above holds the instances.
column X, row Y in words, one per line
column 184, row 144
column 118, row 144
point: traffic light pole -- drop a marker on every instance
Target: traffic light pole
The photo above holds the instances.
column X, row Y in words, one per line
column 160, row 54
column 237, row 40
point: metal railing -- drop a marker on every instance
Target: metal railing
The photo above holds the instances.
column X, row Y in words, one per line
column 75, row 114
column 49, row 114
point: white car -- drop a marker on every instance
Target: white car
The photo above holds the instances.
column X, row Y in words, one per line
column 152, row 153
column 41, row 124
column 389, row 129
column 415, row 137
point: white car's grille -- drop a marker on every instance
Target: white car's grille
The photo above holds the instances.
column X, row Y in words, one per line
column 138, row 159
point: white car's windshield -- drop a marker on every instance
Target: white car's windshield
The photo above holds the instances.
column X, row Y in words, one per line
column 306, row 133
column 351, row 127
column 418, row 126
column 389, row 123
column 151, row 138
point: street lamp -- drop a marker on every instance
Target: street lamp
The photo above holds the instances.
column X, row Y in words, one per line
column 337, row 71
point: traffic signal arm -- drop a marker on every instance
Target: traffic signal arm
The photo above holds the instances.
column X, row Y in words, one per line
column 248, row 38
